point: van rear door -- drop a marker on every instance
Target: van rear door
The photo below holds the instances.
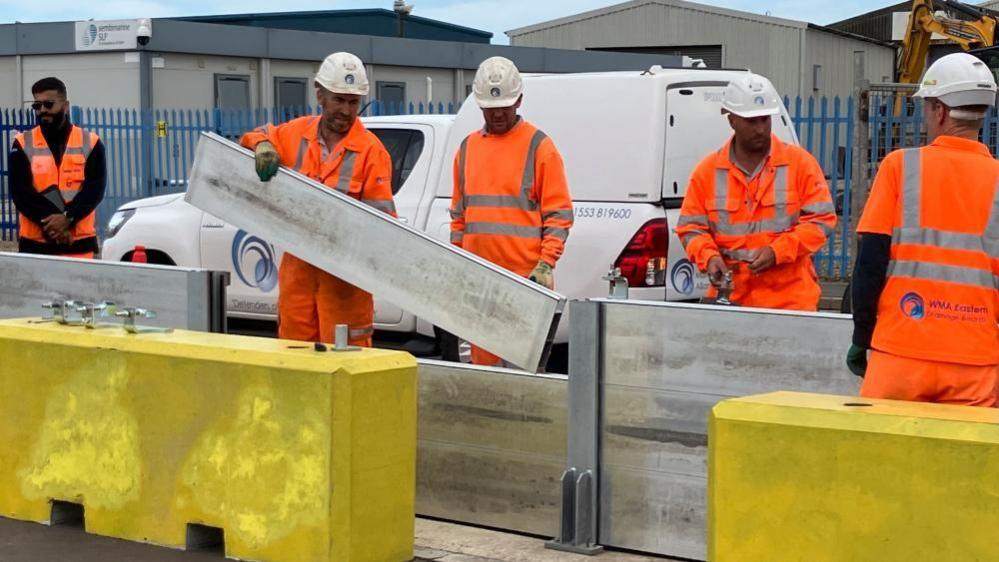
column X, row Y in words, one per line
column 694, row 127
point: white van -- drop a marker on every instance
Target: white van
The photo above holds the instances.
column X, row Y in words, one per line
column 629, row 141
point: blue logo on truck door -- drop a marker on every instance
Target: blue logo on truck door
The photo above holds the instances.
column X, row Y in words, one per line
column 253, row 261
column 682, row 277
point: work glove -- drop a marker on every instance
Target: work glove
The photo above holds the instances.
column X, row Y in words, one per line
column 856, row 360
column 266, row 158
column 544, row 275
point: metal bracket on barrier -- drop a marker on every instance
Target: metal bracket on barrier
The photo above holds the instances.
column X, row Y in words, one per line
column 618, row 284
column 130, row 314
column 60, row 312
column 576, row 526
column 580, row 514
column 341, row 339
column 93, row 313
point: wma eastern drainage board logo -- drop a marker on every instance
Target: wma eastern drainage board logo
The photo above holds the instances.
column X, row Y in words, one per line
column 682, row 277
column 253, row 255
column 913, row 306
column 89, row 35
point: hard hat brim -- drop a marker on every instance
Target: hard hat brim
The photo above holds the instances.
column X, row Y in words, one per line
column 496, row 103
column 963, row 98
column 749, row 114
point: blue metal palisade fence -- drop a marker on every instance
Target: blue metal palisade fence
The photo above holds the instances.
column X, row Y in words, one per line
column 150, row 153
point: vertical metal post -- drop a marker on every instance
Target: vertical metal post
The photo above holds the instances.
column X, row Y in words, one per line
column 146, row 121
column 861, row 150
column 580, row 515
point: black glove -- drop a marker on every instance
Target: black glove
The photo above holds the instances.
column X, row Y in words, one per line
column 856, row 360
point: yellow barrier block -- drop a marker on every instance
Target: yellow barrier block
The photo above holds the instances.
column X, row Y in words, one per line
column 811, row 478
column 297, row 455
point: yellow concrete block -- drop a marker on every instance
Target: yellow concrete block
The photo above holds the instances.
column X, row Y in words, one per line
column 297, row 455
column 810, row 478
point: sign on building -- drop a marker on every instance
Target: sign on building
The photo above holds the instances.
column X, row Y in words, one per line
column 109, row 35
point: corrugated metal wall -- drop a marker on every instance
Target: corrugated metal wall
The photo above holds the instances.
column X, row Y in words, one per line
column 772, row 47
column 835, row 55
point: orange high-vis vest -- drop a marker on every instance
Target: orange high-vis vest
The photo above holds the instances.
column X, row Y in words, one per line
column 311, row 302
column 511, row 203
column 940, row 204
column 68, row 176
column 787, row 207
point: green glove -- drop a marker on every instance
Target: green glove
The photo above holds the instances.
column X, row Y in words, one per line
column 856, row 360
column 544, row 275
column 266, row 158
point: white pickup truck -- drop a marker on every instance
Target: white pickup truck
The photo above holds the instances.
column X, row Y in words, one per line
column 629, row 141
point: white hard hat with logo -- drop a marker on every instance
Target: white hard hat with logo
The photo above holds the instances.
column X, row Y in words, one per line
column 751, row 95
column 497, row 83
column 959, row 80
column 343, row 73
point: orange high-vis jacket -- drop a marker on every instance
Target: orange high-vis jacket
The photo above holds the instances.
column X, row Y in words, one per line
column 940, row 205
column 511, row 202
column 68, row 176
column 787, row 207
column 360, row 166
column 312, row 302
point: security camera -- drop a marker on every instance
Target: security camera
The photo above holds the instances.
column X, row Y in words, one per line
column 402, row 8
column 144, row 31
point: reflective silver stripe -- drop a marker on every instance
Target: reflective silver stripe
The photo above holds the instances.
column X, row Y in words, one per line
column 74, row 151
column 692, row 219
column 780, row 189
column 560, row 233
column 85, row 148
column 384, row 205
column 947, row 273
column 779, row 224
column 346, row 171
column 500, row 201
column 527, row 182
column 462, row 156
column 303, row 148
column 721, row 195
column 566, row 215
column 457, row 236
column 502, row 229
column 939, row 238
column 69, row 194
column 818, row 209
column 739, row 255
column 686, row 239
column 826, row 229
column 361, row 332
column 911, row 188
column 992, row 230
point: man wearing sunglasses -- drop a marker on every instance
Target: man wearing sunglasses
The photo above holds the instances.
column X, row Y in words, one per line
column 57, row 178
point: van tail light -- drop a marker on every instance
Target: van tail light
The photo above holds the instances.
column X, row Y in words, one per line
column 643, row 261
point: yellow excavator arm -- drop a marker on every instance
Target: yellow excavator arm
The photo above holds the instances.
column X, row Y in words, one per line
column 924, row 22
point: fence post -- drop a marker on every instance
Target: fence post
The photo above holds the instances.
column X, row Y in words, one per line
column 861, row 150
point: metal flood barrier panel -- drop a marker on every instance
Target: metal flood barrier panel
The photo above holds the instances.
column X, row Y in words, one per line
column 183, row 298
column 657, row 371
column 491, row 446
column 456, row 291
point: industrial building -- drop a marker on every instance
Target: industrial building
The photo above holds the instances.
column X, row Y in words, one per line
column 800, row 58
column 262, row 61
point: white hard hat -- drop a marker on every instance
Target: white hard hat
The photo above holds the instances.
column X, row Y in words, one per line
column 497, row 83
column 959, row 80
column 343, row 73
column 751, row 95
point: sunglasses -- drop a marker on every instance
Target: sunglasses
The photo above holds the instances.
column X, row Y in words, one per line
column 47, row 104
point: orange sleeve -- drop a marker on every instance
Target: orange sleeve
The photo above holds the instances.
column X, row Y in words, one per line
column 693, row 228
column 881, row 208
column 817, row 221
column 552, row 192
column 457, row 209
column 376, row 184
column 268, row 132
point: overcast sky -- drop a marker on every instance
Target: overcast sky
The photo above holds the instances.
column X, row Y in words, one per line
column 496, row 16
